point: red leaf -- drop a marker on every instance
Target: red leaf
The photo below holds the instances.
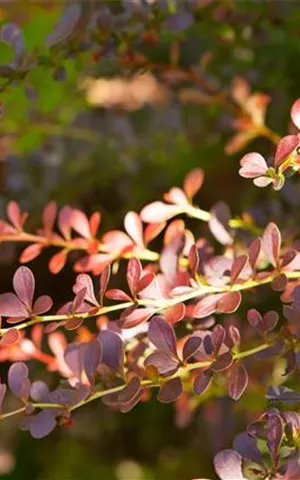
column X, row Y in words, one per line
column 170, row 391
column 133, row 274
column 73, row 323
column 31, row 252
column 11, row 306
column 254, row 317
column 194, row 259
column 175, row 313
column 295, row 113
column 193, row 182
column 271, row 243
column 134, row 228
column 145, row 281
column 137, row 317
column 253, row 165
column 104, row 280
column 158, row 212
column 152, row 231
column 206, row 306
column 254, row 251
column 94, row 222
column 285, row 147
column 57, row 262
column 237, row 380
column 24, row 285
column 238, row 266
column 229, row 302
column 10, row 337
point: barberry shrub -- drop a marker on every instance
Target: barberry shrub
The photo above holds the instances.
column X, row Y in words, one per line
column 191, row 321
column 174, row 333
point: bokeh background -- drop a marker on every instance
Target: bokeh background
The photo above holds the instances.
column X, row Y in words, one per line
column 106, row 139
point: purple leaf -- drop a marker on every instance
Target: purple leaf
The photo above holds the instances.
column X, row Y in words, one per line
column 41, row 424
column 254, row 317
column 162, row 361
column 92, row 358
column 68, row 21
column 112, row 350
column 104, row 279
column 170, row 391
column 237, row 380
column 24, row 286
column 245, row 445
column 18, row 380
column 11, row 306
column 162, row 335
column 279, row 283
column 269, row 321
column 190, row 347
column 42, row 304
column 74, row 358
column 39, row 391
column 223, row 362
column 228, row 465
column 130, row 391
column 275, row 431
column 202, row 382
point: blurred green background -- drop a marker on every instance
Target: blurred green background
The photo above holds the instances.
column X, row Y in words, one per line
column 119, row 155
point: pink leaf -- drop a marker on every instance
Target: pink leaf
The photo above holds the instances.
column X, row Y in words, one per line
column 295, row 113
column 219, row 223
column 80, row 223
column 84, row 281
column 285, row 147
column 49, row 216
column 24, row 285
column 228, row 465
column 152, row 231
column 65, row 221
column 15, row 215
column 134, row 228
column 94, row 222
column 10, row 337
column 175, row 313
column 11, row 306
column 206, row 306
column 137, row 317
column 253, row 165
column 193, row 182
column 42, row 304
column 117, row 294
column 158, row 212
